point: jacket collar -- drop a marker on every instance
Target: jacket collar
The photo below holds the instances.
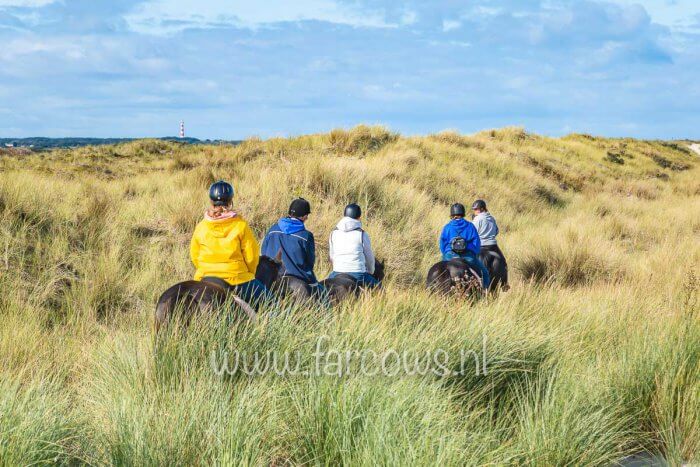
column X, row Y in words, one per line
column 290, row 225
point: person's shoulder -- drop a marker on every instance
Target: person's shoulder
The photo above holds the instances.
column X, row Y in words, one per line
column 244, row 224
column 201, row 225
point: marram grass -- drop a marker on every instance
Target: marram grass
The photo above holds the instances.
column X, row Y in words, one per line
column 591, row 356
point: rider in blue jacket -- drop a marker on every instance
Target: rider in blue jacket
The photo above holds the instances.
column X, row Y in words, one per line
column 461, row 234
column 296, row 244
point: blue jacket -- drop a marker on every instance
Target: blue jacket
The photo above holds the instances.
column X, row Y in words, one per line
column 290, row 237
column 460, row 228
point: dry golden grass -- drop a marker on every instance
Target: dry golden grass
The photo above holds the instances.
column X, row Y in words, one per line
column 595, row 352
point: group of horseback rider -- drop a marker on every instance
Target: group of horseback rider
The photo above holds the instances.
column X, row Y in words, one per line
column 223, row 245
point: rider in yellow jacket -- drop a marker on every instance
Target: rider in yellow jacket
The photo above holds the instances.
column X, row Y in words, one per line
column 224, row 246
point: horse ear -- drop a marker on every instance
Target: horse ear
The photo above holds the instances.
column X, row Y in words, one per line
column 278, row 256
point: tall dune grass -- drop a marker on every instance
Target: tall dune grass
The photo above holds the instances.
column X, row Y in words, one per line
column 591, row 356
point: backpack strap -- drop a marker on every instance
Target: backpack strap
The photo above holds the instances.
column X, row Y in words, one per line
column 362, row 236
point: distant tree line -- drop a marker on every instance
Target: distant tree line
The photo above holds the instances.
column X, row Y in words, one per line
column 50, row 143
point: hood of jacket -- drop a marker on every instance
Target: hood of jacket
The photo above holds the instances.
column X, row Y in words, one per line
column 459, row 223
column 221, row 227
column 290, row 225
column 347, row 224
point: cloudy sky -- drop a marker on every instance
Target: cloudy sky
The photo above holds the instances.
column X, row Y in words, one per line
column 233, row 68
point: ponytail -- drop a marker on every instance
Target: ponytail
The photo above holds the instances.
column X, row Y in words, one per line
column 215, row 212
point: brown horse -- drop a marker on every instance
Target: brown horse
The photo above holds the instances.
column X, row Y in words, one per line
column 495, row 262
column 189, row 298
column 272, row 274
column 452, row 276
column 186, row 299
column 344, row 285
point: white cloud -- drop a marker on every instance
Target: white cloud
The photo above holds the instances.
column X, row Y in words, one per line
column 193, row 86
column 449, row 25
column 25, row 3
column 677, row 14
column 408, row 18
column 163, row 16
column 481, row 11
column 27, row 46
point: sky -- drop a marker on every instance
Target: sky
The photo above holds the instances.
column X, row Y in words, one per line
column 233, row 69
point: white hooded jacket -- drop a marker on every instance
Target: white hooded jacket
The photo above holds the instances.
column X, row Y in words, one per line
column 350, row 248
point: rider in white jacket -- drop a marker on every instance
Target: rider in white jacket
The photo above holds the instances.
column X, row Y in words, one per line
column 350, row 248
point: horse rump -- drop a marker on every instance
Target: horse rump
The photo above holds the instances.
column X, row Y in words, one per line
column 340, row 287
column 291, row 286
column 495, row 262
column 454, row 277
column 184, row 300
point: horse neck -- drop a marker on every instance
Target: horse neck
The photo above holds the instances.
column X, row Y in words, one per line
column 378, row 271
column 268, row 272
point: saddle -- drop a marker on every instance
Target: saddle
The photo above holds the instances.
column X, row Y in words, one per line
column 217, row 281
column 347, row 278
column 228, row 289
column 462, row 263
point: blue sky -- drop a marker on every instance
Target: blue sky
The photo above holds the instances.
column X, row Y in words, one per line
column 233, row 69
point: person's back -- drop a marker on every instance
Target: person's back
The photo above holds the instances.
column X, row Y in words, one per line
column 223, row 247
column 459, row 239
column 485, row 223
column 347, row 250
column 487, row 228
column 490, row 254
column 350, row 249
column 290, row 238
column 459, row 228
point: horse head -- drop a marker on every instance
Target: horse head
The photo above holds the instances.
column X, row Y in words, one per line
column 378, row 270
column 270, row 270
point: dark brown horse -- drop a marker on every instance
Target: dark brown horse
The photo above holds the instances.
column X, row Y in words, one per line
column 193, row 297
column 344, row 285
column 454, row 276
column 186, row 299
column 495, row 262
column 272, row 274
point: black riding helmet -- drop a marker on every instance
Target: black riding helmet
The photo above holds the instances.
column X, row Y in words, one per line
column 458, row 209
column 479, row 204
column 221, row 193
column 353, row 211
column 299, row 208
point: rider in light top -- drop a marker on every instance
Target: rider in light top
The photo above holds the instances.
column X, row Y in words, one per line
column 485, row 223
column 350, row 248
column 487, row 228
column 459, row 239
column 223, row 246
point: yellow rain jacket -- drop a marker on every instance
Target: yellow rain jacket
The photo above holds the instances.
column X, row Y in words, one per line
column 225, row 248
